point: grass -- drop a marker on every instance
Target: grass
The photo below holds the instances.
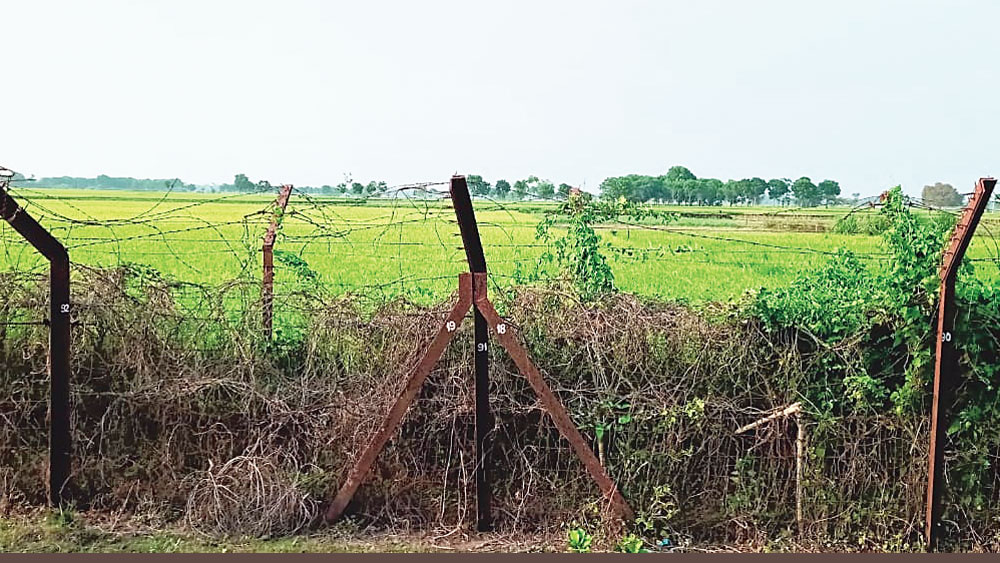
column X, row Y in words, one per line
column 410, row 248
column 46, row 531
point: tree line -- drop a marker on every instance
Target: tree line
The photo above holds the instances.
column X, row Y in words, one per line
column 104, row 182
column 680, row 186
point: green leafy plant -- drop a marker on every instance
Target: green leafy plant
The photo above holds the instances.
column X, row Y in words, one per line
column 297, row 265
column 579, row 540
column 631, row 544
column 579, row 251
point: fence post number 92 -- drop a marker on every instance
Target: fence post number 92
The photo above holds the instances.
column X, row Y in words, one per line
column 64, row 308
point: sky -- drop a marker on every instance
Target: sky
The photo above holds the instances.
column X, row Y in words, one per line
column 870, row 93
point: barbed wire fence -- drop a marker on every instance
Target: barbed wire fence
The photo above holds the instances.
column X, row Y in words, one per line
column 180, row 405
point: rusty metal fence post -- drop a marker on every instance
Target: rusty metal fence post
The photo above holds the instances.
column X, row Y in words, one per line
column 60, row 438
column 267, row 249
column 473, row 294
column 946, row 366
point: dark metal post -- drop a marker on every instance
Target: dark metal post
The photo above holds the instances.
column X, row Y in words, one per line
column 946, row 366
column 469, row 229
column 60, row 438
column 472, row 293
column 267, row 283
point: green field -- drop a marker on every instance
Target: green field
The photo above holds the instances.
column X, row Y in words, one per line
column 410, row 247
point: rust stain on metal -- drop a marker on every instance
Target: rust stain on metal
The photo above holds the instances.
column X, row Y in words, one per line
column 946, row 368
column 406, row 397
column 267, row 283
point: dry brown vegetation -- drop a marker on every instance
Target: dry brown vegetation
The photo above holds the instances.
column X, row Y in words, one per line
column 193, row 419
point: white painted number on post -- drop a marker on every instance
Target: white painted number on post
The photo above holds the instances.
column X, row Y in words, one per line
column 501, row 328
column 64, row 308
column 946, row 337
column 481, row 347
column 450, row 325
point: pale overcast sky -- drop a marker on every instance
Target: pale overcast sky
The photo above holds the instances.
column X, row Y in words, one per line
column 870, row 93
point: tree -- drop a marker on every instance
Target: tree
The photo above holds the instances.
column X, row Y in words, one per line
column 686, row 191
column 615, row 187
column 545, row 189
column 777, row 189
column 806, row 193
column 679, row 174
column 502, row 189
column 755, row 189
column 520, row 189
column 709, row 191
column 680, row 184
column 828, row 190
column 243, row 184
column 374, row 187
column 477, row 185
column 563, row 190
column 732, row 191
column 357, row 188
column 941, row 195
column 326, row 189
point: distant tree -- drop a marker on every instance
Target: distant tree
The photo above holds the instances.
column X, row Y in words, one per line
column 679, row 174
column 828, row 190
column 679, row 185
column 685, row 191
column 326, row 190
column 357, row 188
column 373, row 188
column 806, row 193
column 732, row 191
column 477, row 186
column 521, row 189
column 777, row 189
column 941, row 195
column 502, row 189
column 709, row 191
column 855, row 197
column 615, row 187
column 243, row 184
column 563, row 190
column 755, row 189
column 545, row 189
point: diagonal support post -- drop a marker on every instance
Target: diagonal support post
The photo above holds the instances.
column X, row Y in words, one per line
column 267, row 249
column 507, row 336
column 413, row 384
column 60, row 437
column 946, row 365
column 473, row 294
